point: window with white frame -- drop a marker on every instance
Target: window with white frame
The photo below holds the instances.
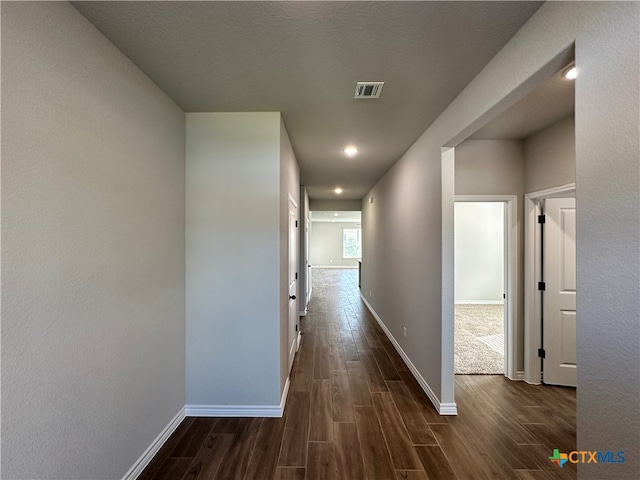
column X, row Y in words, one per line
column 351, row 243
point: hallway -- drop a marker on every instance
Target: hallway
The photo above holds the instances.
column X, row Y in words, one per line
column 354, row 412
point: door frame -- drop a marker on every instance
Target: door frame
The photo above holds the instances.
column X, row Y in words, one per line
column 511, row 276
column 293, row 343
column 532, row 275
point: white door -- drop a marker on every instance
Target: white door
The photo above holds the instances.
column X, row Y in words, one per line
column 293, row 283
column 559, row 297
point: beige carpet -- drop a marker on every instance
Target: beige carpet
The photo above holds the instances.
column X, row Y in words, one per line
column 479, row 337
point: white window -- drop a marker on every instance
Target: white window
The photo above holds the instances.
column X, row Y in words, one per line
column 351, row 243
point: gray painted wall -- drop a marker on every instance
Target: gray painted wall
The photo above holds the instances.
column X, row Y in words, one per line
column 326, row 245
column 490, row 167
column 335, row 205
column 608, row 238
column 289, row 185
column 233, row 253
column 92, row 250
column 408, row 262
column 550, row 156
column 496, row 167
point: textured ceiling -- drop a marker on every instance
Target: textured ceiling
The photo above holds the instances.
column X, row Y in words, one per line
column 304, row 58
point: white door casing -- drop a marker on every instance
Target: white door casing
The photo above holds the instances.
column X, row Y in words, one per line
column 533, row 202
column 307, row 263
column 559, row 296
column 293, row 281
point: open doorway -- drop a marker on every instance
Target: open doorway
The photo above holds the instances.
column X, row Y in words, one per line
column 335, row 239
column 486, row 284
column 479, row 288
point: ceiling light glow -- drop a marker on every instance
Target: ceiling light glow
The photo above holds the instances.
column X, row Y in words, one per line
column 338, row 190
column 571, row 72
column 350, row 151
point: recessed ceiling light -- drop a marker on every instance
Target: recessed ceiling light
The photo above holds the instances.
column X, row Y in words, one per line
column 350, row 151
column 338, row 190
column 571, row 72
column 335, row 214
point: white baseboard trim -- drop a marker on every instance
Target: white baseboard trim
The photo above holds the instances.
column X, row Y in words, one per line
column 529, row 382
column 239, row 410
column 151, row 451
column 233, row 411
column 448, row 409
column 442, row 408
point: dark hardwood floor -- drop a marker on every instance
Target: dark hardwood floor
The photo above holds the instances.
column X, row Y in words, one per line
column 354, row 411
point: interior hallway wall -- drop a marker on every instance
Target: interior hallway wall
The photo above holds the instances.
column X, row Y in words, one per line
column 550, row 156
column 289, row 187
column 92, row 250
column 326, row 243
column 411, row 219
column 496, row 167
column 335, row 205
column 233, row 254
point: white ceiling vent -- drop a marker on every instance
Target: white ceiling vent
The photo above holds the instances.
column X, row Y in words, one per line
column 368, row 89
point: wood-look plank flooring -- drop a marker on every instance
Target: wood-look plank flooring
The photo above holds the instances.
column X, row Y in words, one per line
column 354, row 411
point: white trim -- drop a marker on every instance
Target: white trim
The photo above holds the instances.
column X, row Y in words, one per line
column 285, row 395
column 448, row 409
column 155, row 446
column 561, row 191
column 298, row 340
column 240, row 410
column 233, row 411
column 532, row 262
column 484, row 198
column 293, row 200
column 447, row 276
column 511, row 277
column 442, row 408
column 519, row 377
column 293, row 349
column 532, row 307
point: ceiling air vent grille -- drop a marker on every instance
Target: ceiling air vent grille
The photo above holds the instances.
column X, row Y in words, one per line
column 368, row 89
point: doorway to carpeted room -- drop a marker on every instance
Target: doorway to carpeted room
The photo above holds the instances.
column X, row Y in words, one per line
column 479, row 288
column 479, row 339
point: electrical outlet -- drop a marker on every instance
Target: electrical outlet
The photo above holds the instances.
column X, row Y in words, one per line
column 405, row 332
